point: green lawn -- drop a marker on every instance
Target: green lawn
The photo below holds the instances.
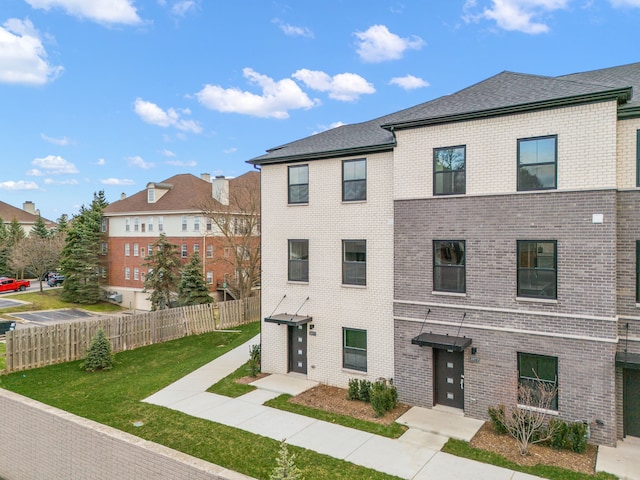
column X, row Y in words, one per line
column 113, row 398
column 50, row 300
column 228, row 386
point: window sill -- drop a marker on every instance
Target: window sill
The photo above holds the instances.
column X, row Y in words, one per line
column 448, row 294
column 297, row 204
column 348, row 285
column 298, row 282
column 353, row 371
column 546, row 411
column 346, row 202
column 546, row 301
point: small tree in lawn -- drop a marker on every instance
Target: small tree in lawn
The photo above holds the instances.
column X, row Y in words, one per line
column 285, row 466
column 99, row 356
column 163, row 273
column 192, row 289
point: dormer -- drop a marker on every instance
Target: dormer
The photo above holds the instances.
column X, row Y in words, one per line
column 155, row 191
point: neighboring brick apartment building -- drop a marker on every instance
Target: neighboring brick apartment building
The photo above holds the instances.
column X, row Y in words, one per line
column 463, row 244
column 173, row 207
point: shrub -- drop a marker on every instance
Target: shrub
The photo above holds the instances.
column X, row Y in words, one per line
column 99, row 356
column 496, row 414
column 254, row 360
column 364, row 391
column 353, row 392
column 286, row 468
column 384, row 397
column 578, row 436
column 560, row 438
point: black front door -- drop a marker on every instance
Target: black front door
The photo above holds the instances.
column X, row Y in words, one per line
column 631, row 402
column 449, row 378
column 298, row 348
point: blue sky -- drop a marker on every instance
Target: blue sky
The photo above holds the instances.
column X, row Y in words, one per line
column 113, row 94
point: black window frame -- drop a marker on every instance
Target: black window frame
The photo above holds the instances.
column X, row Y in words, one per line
column 351, row 269
column 300, row 265
column 351, row 351
column 520, row 166
column 291, row 186
column 535, row 376
column 637, row 158
column 520, row 269
column 362, row 196
column 439, row 268
column 450, row 171
column 637, row 271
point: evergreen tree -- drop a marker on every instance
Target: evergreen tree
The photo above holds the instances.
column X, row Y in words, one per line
column 192, row 289
column 80, row 261
column 39, row 229
column 62, row 224
column 163, row 273
column 99, row 354
column 4, row 248
column 285, row 466
column 15, row 232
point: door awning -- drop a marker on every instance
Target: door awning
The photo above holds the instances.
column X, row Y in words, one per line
column 289, row 319
column 444, row 342
column 628, row 360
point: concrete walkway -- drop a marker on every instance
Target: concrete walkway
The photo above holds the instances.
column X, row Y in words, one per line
column 415, row 455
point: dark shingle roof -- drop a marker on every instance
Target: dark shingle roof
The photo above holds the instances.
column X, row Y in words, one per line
column 501, row 94
column 9, row 212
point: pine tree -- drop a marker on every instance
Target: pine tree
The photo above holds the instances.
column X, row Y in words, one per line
column 163, row 273
column 192, row 289
column 4, row 248
column 285, row 466
column 99, row 355
column 15, row 232
column 40, row 229
column 63, row 224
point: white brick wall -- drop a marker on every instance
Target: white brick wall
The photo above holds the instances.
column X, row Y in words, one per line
column 586, row 150
column 325, row 222
column 627, row 152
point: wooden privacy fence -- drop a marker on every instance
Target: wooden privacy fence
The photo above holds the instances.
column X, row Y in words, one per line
column 64, row 342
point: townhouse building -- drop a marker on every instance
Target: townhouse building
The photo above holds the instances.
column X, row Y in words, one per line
column 180, row 207
column 465, row 246
column 26, row 216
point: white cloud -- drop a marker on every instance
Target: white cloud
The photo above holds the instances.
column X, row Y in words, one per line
column 625, row 3
column 230, row 150
column 117, row 181
column 182, row 163
column 50, row 181
column 139, row 162
column 516, row 15
column 153, row 114
column 409, row 82
column 275, row 101
column 57, row 141
column 346, row 87
column 52, row 165
column 101, row 161
column 378, row 44
column 324, row 128
column 183, row 7
column 167, row 153
column 23, row 59
column 292, row 30
column 108, row 12
column 19, row 185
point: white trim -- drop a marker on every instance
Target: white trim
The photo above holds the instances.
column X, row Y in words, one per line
column 448, row 294
column 547, row 301
column 546, row 411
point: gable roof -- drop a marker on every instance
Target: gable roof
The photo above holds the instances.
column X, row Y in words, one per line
column 503, row 94
column 9, row 212
column 185, row 192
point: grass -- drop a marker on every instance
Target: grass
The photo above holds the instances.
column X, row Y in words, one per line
column 3, row 356
column 114, row 398
column 461, row 448
column 50, row 300
column 281, row 402
column 228, row 386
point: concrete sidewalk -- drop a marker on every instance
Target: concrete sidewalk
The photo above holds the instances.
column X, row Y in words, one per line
column 415, row 455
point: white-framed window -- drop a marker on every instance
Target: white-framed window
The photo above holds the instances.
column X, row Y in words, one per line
column 196, row 248
column 184, row 223
column 150, row 249
column 160, row 224
column 196, row 224
column 150, row 223
column 136, row 273
column 184, row 250
column 136, row 250
column 136, row 224
column 151, row 195
column 209, row 224
column 142, row 251
column 104, row 225
column 127, row 224
column 209, row 251
column 127, row 249
column 209, row 278
column 104, row 248
column 127, row 273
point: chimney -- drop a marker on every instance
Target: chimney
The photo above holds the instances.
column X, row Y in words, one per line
column 220, row 189
column 206, row 177
column 29, row 207
column 123, row 196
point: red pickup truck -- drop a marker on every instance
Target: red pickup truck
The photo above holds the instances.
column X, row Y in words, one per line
column 8, row 284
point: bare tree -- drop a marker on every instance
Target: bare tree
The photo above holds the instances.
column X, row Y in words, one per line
column 37, row 255
column 234, row 210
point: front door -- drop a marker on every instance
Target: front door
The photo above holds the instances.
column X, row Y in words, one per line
column 449, row 378
column 631, row 402
column 298, row 348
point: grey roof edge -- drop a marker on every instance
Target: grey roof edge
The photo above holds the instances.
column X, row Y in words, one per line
column 384, row 147
column 629, row 112
column 621, row 94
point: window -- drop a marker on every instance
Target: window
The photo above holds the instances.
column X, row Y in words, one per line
column 151, row 195
column 196, row 224
column 127, row 273
column 160, row 224
column 537, row 268
column 449, row 266
column 135, row 250
column 354, row 262
column 184, row 223
column 209, row 225
column 299, row 184
column 127, row 224
column 136, row 224
column 136, row 274
column 540, row 374
column 184, row 250
column 150, row 249
column 637, row 271
column 104, row 225
column 354, row 180
column 354, row 353
column 142, row 252
column 299, row 260
column 209, row 251
column 638, row 158
column 537, row 163
column 196, row 248
column 449, row 170
column 150, row 224
column 127, row 249
column 209, row 278
column 103, row 248
column 103, row 272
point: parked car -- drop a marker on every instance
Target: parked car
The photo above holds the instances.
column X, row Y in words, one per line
column 55, row 280
column 8, row 284
column 48, row 275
